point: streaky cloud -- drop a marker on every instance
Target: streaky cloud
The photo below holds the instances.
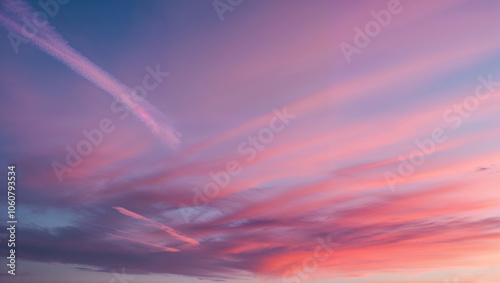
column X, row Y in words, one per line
column 163, row 227
column 48, row 40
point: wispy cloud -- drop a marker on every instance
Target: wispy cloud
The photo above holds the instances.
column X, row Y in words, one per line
column 322, row 177
column 47, row 39
column 158, row 225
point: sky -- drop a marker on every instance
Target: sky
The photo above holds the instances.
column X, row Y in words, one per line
column 251, row 141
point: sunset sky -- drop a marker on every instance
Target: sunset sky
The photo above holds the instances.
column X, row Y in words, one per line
column 252, row 141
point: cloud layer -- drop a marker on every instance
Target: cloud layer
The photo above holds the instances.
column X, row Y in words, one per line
column 253, row 195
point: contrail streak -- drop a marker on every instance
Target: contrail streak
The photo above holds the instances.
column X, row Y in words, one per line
column 49, row 41
column 158, row 225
